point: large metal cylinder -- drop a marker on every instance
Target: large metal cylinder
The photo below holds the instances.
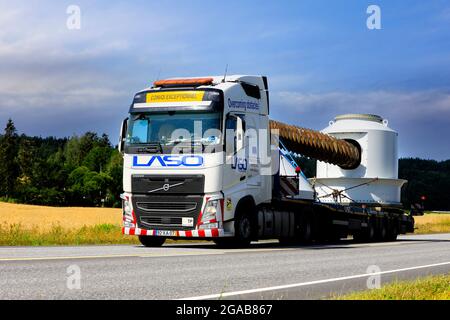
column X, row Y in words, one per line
column 375, row 181
column 317, row 145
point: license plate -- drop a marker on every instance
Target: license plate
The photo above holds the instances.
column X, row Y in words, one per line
column 187, row 222
column 166, row 233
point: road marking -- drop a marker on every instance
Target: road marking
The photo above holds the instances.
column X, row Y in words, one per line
column 141, row 255
column 349, row 244
column 146, row 255
column 302, row 284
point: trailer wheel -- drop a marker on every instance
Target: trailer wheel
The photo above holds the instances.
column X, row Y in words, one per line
column 370, row 233
column 306, row 230
column 392, row 231
column 367, row 234
column 152, row 241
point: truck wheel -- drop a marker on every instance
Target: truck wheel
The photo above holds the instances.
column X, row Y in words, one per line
column 152, row 241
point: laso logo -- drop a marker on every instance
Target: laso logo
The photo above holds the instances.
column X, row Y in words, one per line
column 168, row 161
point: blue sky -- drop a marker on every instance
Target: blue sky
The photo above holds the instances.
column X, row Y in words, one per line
column 320, row 58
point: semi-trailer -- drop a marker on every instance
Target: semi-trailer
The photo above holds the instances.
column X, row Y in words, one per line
column 202, row 160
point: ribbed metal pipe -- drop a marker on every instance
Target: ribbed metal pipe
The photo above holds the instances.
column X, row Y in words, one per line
column 318, row 145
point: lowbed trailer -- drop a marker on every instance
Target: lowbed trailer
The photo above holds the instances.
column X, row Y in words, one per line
column 294, row 221
column 203, row 160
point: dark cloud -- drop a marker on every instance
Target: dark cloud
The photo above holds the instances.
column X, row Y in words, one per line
column 422, row 118
column 320, row 63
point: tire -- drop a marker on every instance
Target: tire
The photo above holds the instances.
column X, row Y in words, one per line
column 392, row 231
column 152, row 241
column 367, row 234
column 243, row 228
column 370, row 232
column 358, row 237
column 382, row 231
column 305, row 234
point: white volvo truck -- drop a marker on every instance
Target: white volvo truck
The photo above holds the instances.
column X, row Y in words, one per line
column 202, row 160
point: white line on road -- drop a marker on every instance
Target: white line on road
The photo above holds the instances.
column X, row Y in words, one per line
column 302, row 284
column 138, row 255
column 145, row 255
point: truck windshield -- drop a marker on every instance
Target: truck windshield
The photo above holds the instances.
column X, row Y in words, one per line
column 173, row 127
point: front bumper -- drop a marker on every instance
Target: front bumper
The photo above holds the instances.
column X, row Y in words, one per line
column 198, row 233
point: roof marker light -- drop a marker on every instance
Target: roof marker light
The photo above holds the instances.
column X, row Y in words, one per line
column 183, row 82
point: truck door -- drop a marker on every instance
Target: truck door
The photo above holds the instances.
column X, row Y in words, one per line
column 252, row 144
column 236, row 162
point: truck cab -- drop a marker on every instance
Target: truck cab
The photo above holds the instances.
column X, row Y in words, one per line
column 197, row 158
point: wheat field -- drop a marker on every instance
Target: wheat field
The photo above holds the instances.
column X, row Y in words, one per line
column 24, row 225
column 433, row 223
column 44, row 218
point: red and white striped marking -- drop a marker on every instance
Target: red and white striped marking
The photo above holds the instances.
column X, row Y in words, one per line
column 207, row 233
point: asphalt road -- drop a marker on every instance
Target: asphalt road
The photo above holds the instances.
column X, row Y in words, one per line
column 201, row 271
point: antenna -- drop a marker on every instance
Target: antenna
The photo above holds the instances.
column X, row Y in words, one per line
column 159, row 75
column 225, row 75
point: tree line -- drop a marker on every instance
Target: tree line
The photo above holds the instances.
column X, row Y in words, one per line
column 78, row 171
column 87, row 171
column 426, row 178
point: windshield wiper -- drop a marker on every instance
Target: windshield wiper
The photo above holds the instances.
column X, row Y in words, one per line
column 186, row 144
column 150, row 147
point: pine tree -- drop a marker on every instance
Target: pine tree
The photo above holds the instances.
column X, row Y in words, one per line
column 8, row 153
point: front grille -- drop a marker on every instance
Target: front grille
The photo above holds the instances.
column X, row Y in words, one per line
column 174, row 184
column 166, row 206
column 166, row 212
column 151, row 221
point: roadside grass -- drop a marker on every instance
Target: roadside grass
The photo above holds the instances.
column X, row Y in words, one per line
column 432, row 223
column 427, row 288
column 17, row 235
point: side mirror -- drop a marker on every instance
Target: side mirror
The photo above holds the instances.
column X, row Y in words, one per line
column 239, row 134
column 123, row 133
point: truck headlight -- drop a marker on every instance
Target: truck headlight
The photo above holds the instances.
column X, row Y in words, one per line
column 211, row 210
column 210, row 217
column 128, row 216
column 127, row 208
